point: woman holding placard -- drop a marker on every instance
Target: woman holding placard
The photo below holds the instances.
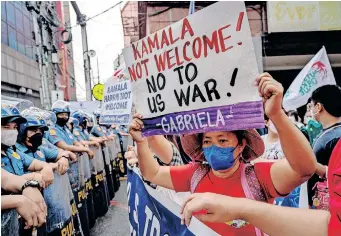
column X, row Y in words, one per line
column 224, row 159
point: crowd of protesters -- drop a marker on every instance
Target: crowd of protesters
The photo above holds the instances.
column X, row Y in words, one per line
column 227, row 179
column 60, row 169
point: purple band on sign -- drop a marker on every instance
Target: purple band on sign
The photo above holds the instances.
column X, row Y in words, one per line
column 241, row 116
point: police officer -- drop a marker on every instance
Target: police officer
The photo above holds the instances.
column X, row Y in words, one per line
column 100, row 131
column 27, row 202
column 62, row 137
column 101, row 195
column 30, row 142
column 78, row 126
column 13, row 160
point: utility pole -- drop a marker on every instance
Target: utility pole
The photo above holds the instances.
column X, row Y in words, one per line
column 81, row 19
column 97, row 72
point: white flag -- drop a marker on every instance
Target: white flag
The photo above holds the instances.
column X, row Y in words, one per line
column 315, row 74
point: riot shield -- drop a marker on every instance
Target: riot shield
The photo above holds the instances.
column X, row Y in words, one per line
column 99, row 183
column 9, row 222
column 81, row 198
column 108, row 171
column 88, row 190
column 113, row 150
column 120, row 160
column 59, row 214
column 75, row 214
column 76, row 176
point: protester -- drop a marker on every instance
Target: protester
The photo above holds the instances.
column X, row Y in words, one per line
column 225, row 153
column 293, row 116
column 289, row 221
column 273, row 148
column 325, row 109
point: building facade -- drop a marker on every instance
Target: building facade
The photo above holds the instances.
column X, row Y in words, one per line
column 30, row 52
column 286, row 34
column 20, row 76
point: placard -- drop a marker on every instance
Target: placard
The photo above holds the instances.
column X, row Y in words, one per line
column 198, row 74
column 152, row 213
column 117, row 103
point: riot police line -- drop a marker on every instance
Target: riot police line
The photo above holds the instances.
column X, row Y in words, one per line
column 83, row 184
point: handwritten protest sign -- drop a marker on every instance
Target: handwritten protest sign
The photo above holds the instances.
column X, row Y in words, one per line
column 197, row 74
column 117, row 103
column 152, row 213
column 315, row 74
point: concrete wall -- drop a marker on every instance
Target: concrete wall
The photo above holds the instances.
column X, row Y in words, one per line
column 17, row 70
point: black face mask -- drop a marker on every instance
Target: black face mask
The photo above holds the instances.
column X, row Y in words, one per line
column 35, row 140
column 84, row 124
column 89, row 128
column 62, row 121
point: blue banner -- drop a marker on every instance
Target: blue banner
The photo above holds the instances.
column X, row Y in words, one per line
column 152, row 213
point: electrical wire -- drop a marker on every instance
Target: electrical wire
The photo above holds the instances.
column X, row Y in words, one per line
column 105, row 11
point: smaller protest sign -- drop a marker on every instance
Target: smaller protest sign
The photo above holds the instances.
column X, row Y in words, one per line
column 315, row 74
column 117, row 103
column 152, row 213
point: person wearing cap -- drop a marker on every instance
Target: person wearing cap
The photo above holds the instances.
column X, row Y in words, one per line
column 227, row 154
column 60, row 135
column 15, row 161
column 30, row 142
column 50, row 120
column 79, row 127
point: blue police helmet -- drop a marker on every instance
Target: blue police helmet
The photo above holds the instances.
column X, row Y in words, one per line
column 10, row 113
column 32, row 122
column 61, row 107
column 79, row 115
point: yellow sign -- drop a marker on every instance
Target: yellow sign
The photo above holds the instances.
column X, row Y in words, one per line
column 287, row 16
column 98, row 92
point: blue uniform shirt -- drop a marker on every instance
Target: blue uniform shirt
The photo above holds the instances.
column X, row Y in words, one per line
column 15, row 162
column 97, row 131
column 59, row 133
column 47, row 144
column 86, row 134
column 42, row 154
column 78, row 133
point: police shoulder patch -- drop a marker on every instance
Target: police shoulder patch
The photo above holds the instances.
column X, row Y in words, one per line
column 76, row 133
column 52, row 132
column 40, row 154
column 16, row 155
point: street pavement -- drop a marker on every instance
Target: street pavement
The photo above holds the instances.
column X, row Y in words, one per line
column 115, row 222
